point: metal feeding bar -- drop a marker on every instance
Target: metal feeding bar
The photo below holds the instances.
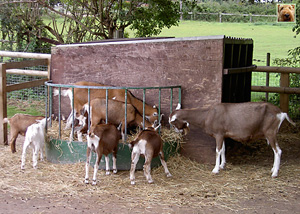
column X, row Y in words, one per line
column 49, row 101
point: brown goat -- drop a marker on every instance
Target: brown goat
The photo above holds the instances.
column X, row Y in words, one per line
column 149, row 144
column 18, row 125
column 105, row 141
column 239, row 121
column 81, row 98
column 116, row 113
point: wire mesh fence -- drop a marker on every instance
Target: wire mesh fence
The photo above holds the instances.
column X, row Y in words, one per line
column 35, row 93
column 29, row 100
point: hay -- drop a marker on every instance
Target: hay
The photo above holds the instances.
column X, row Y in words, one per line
column 192, row 184
column 167, row 135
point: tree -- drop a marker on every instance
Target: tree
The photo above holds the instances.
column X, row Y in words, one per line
column 293, row 60
column 89, row 20
column 296, row 28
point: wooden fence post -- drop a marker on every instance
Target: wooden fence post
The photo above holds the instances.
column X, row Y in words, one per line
column 3, row 104
column 284, row 98
column 268, row 75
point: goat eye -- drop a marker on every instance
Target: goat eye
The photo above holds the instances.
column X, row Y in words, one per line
column 155, row 114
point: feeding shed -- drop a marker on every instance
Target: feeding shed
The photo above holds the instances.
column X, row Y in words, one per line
column 210, row 70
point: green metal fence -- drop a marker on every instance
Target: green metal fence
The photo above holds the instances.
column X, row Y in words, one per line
column 49, row 100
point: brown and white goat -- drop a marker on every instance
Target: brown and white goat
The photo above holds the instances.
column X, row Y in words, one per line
column 239, row 121
column 115, row 111
column 116, row 115
column 18, row 125
column 35, row 138
column 81, row 98
column 104, row 141
column 147, row 143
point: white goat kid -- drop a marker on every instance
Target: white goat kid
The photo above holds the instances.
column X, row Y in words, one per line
column 35, row 138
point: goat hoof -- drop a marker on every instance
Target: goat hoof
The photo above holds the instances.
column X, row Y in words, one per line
column 115, row 171
column 274, row 175
column 23, row 167
column 94, row 183
column 86, row 181
column 150, row 181
column 132, row 182
column 107, row 173
column 169, row 175
column 215, row 171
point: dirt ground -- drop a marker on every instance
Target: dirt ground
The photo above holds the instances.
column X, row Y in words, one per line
column 245, row 186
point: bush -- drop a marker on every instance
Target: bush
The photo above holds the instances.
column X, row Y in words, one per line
column 293, row 60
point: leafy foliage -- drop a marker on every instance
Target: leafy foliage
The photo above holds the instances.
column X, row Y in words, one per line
column 293, row 60
column 296, row 28
column 83, row 20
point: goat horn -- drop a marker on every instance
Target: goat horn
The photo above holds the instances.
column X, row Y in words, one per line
column 157, row 127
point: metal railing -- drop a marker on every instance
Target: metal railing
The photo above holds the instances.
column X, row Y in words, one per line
column 49, row 101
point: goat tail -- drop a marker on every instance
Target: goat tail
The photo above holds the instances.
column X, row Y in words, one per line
column 5, row 120
column 282, row 116
column 289, row 119
column 63, row 92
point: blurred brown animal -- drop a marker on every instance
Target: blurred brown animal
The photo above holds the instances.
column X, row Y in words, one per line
column 18, row 125
column 286, row 12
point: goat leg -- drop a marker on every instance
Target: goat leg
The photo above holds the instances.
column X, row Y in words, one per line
column 219, row 146
column 163, row 162
column 134, row 159
column 26, row 144
column 13, row 144
column 115, row 163
column 35, row 153
column 147, row 169
column 87, row 164
column 107, row 165
column 96, row 167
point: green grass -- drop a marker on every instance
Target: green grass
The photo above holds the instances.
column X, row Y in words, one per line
column 25, row 107
column 274, row 38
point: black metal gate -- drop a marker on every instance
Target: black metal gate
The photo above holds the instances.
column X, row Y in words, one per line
column 237, row 69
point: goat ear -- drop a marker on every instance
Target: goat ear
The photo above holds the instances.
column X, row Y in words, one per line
column 186, row 128
column 119, row 127
column 178, row 106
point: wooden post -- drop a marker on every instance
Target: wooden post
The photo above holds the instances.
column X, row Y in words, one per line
column 3, row 104
column 268, row 76
column 284, row 98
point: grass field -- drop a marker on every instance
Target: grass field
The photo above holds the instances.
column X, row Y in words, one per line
column 274, row 38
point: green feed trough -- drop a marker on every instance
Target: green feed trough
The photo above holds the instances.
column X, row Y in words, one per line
column 60, row 151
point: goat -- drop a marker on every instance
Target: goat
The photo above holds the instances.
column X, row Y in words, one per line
column 239, row 121
column 81, row 98
column 104, row 141
column 116, row 114
column 18, row 125
column 147, row 143
column 35, row 138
